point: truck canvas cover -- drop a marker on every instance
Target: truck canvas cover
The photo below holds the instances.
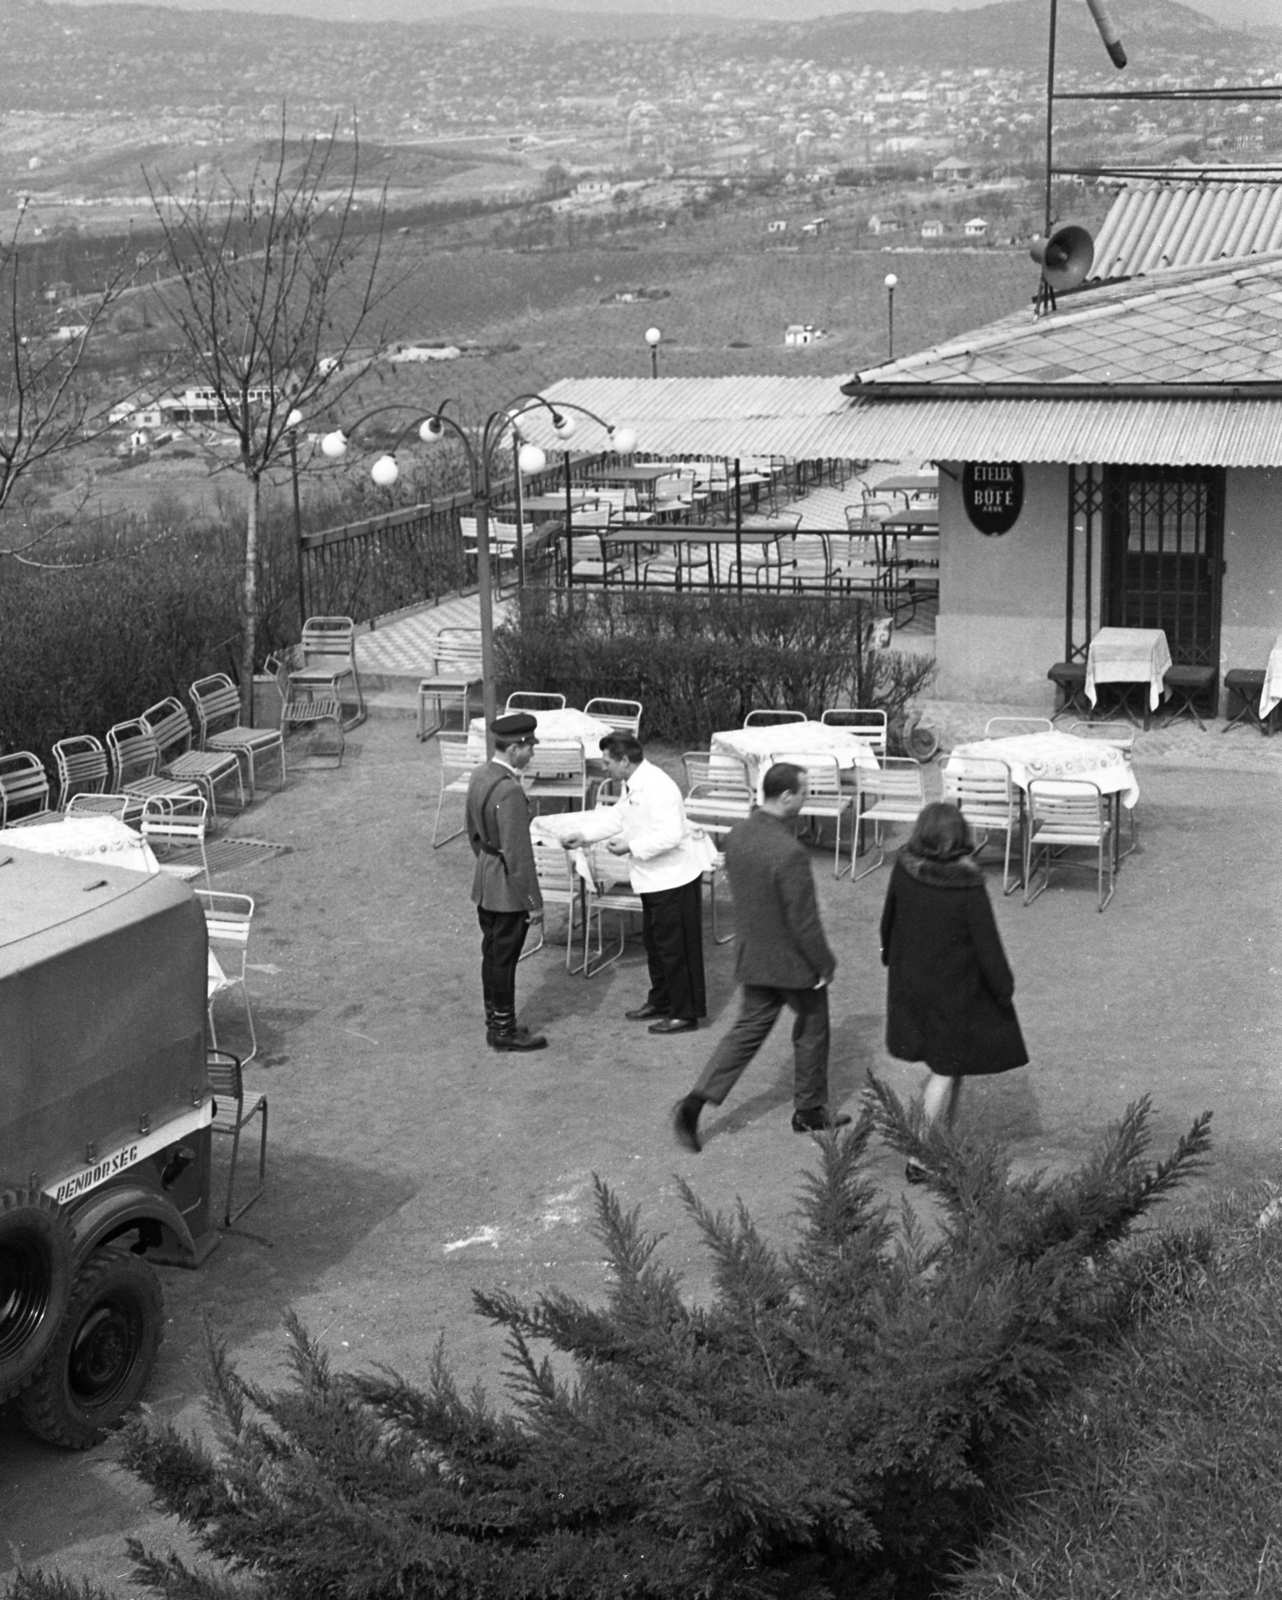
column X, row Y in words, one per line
column 102, row 1009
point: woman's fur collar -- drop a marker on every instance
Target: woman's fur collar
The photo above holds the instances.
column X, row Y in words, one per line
column 960, row 874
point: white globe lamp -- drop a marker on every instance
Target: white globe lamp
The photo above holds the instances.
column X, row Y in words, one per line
column 385, row 472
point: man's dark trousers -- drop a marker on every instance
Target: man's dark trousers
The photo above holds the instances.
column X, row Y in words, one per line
column 672, row 931
column 502, row 935
column 761, row 1006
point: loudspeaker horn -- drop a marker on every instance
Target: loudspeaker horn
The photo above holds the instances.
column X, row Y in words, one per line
column 1065, row 258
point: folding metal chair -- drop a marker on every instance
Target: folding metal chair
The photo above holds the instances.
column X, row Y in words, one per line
column 894, row 792
column 227, row 922
column 1066, row 814
column 234, row 1109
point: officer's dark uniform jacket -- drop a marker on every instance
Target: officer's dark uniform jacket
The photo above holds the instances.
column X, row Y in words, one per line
column 498, row 829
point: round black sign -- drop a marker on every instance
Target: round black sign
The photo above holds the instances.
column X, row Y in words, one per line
column 993, row 494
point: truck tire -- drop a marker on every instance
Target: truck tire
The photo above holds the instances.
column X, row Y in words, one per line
column 102, row 1356
column 35, row 1283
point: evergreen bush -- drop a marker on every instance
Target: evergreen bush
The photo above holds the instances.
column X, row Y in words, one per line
column 825, row 1427
column 700, row 662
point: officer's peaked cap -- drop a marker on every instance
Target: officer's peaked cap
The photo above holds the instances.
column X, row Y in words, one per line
column 516, row 725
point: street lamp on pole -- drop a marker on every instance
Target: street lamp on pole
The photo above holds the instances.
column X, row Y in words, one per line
column 654, row 339
column 293, row 422
column 891, row 280
column 483, row 448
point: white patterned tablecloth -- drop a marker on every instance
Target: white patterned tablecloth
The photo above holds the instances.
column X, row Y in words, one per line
column 102, row 839
column 1054, row 756
column 755, row 746
column 1271, row 694
column 568, row 726
column 1128, row 655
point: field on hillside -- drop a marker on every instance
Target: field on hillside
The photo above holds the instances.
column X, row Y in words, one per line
column 538, row 316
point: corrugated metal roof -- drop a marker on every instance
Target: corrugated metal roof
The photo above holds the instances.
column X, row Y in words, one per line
column 1190, row 218
column 696, row 417
column 1210, row 325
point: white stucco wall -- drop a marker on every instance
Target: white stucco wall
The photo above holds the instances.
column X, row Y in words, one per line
column 1001, row 612
column 1001, row 599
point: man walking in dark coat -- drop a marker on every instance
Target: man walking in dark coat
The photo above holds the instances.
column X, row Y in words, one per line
column 781, row 958
column 505, row 886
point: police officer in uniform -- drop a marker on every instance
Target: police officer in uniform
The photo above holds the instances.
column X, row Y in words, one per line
column 505, row 886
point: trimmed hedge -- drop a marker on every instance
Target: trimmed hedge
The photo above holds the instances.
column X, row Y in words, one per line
column 699, row 662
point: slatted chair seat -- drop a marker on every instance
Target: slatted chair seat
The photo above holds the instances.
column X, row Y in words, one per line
column 559, row 885
column 984, row 794
column 175, row 740
column 135, row 764
column 624, row 716
column 235, row 1108
column 174, row 827
column 870, row 724
column 718, row 793
column 557, row 772
column 217, row 703
column 610, row 889
column 317, row 709
column 326, row 659
column 459, row 760
column 895, row 792
column 24, row 790
column 1067, row 814
column 456, row 671
column 82, row 766
column 825, row 796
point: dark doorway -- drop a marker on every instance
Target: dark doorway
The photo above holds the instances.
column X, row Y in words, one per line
column 1163, row 543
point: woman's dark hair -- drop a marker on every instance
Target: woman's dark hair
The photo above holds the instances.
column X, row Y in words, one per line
column 941, row 833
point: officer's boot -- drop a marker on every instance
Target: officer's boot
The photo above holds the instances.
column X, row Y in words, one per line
column 506, row 1035
column 490, row 1013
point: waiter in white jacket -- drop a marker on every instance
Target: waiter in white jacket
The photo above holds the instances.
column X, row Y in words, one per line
column 666, row 862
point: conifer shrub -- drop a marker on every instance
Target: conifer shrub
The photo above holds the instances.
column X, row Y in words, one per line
column 825, row 1428
column 699, row 661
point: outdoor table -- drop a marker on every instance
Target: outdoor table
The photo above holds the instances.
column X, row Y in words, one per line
column 911, row 485
column 754, row 746
column 567, row 726
column 103, row 840
column 1271, row 694
column 550, row 503
column 912, row 519
column 709, row 535
column 1056, row 757
column 1128, row 655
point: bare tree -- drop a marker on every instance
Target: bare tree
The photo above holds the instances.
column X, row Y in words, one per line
column 49, row 404
column 275, row 279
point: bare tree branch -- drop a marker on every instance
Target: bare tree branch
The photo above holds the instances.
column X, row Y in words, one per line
column 275, row 281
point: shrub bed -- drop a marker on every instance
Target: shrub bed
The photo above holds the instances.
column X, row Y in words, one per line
column 699, row 662
column 825, row 1429
column 90, row 645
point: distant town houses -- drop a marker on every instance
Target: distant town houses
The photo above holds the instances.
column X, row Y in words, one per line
column 799, row 333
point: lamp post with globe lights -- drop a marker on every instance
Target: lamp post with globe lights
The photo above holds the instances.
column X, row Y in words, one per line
column 482, row 447
column 654, row 339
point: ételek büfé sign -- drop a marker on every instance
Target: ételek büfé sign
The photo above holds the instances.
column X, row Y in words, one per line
column 993, row 494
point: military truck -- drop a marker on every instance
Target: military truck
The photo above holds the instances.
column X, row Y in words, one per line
column 105, row 1117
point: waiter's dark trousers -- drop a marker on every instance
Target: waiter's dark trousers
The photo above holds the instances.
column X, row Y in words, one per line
column 672, row 928
column 502, row 935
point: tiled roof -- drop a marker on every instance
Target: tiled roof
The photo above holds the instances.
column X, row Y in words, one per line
column 1190, row 218
column 1198, row 326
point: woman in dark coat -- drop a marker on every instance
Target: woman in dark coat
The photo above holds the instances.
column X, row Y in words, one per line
column 949, row 985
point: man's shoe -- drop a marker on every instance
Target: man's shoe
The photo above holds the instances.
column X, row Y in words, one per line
column 819, row 1120
column 645, row 1012
column 674, row 1025
column 517, row 1039
column 685, row 1122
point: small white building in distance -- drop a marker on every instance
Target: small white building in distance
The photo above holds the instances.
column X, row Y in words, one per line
column 932, row 228
column 879, row 224
column 976, row 228
column 816, row 227
column 776, row 227
column 802, row 333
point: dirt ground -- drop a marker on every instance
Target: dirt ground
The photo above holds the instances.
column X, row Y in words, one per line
column 409, row 1164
